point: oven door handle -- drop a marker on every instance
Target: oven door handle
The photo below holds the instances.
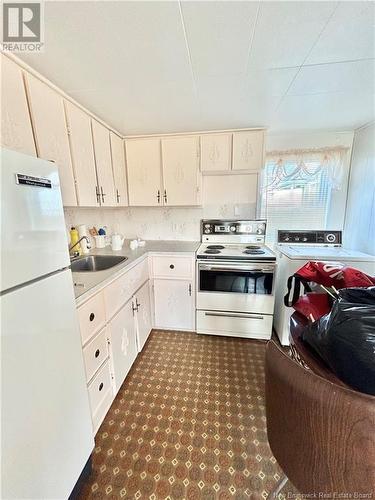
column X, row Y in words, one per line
column 233, row 315
column 239, row 268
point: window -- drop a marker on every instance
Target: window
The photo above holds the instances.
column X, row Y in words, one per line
column 298, row 190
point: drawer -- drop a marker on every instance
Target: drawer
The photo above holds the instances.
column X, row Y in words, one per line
column 91, row 317
column 173, row 267
column 235, row 324
column 121, row 290
column 95, row 353
column 100, row 395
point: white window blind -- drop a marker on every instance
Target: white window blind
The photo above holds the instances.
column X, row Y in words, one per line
column 296, row 189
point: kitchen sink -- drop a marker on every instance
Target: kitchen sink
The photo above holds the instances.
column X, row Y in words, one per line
column 92, row 263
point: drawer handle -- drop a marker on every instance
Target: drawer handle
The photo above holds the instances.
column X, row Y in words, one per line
column 172, row 266
column 92, row 316
column 97, row 352
column 101, row 386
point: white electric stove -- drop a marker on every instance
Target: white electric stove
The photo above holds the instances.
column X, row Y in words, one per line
column 235, row 279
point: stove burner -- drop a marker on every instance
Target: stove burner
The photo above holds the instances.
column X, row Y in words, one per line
column 253, row 247
column 215, row 247
column 254, row 251
column 212, row 250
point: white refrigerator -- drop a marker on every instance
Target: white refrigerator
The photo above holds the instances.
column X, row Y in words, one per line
column 46, row 428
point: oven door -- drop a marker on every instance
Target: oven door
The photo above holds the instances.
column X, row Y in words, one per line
column 235, row 286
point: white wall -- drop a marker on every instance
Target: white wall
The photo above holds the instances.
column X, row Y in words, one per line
column 224, row 196
column 307, row 140
column 360, row 213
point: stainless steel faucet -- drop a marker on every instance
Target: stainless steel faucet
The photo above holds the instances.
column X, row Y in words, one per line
column 79, row 241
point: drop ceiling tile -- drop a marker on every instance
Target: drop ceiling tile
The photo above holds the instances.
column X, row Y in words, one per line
column 269, row 82
column 286, row 32
column 356, row 76
column 219, row 35
column 349, row 35
column 338, row 110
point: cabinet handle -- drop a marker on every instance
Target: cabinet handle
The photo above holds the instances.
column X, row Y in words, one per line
column 138, row 304
column 103, row 194
column 117, row 196
column 134, row 308
column 190, row 289
column 158, row 196
column 101, row 385
column 97, row 352
column 97, row 194
column 92, row 316
column 165, row 196
column 171, row 266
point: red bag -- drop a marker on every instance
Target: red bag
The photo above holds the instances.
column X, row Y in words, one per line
column 334, row 274
column 329, row 274
column 313, row 305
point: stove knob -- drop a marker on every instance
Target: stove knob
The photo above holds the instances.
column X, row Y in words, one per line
column 331, row 238
column 233, row 228
column 286, row 238
column 296, row 238
column 207, row 230
column 304, row 238
column 259, row 231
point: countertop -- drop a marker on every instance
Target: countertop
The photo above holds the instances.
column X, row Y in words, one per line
column 87, row 283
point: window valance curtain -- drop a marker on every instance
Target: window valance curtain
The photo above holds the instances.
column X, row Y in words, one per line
column 304, row 165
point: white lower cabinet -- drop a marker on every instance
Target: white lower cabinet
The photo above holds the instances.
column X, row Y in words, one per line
column 143, row 315
column 100, row 395
column 174, row 304
column 115, row 322
column 122, row 343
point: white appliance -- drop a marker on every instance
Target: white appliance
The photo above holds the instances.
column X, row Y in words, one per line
column 235, row 271
column 294, row 249
column 46, row 434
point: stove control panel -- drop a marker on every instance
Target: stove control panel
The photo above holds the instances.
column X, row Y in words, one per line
column 243, row 227
column 310, row 237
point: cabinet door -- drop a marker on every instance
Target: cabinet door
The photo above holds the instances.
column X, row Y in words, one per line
column 248, row 150
column 123, row 345
column 119, row 169
column 16, row 131
column 216, row 152
column 181, row 175
column 143, row 315
column 51, row 135
column 174, row 304
column 81, row 147
column 143, row 160
column 103, row 161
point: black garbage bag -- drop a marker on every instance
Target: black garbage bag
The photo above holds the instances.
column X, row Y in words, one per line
column 345, row 338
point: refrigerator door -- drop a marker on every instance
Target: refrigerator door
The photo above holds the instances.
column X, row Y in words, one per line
column 46, row 426
column 33, row 234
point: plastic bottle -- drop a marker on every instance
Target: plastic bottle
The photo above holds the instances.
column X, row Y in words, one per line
column 74, row 237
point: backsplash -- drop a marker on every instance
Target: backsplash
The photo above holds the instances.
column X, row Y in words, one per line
column 175, row 223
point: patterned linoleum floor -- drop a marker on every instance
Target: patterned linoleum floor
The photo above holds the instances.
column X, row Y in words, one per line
column 188, row 422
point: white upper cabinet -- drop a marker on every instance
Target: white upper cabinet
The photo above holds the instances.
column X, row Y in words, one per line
column 181, row 174
column 119, row 169
column 81, row 147
column 51, row 135
column 248, row 150
column 216, row 152
column 103, row 161
column 16, row 130
column 143, row 159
